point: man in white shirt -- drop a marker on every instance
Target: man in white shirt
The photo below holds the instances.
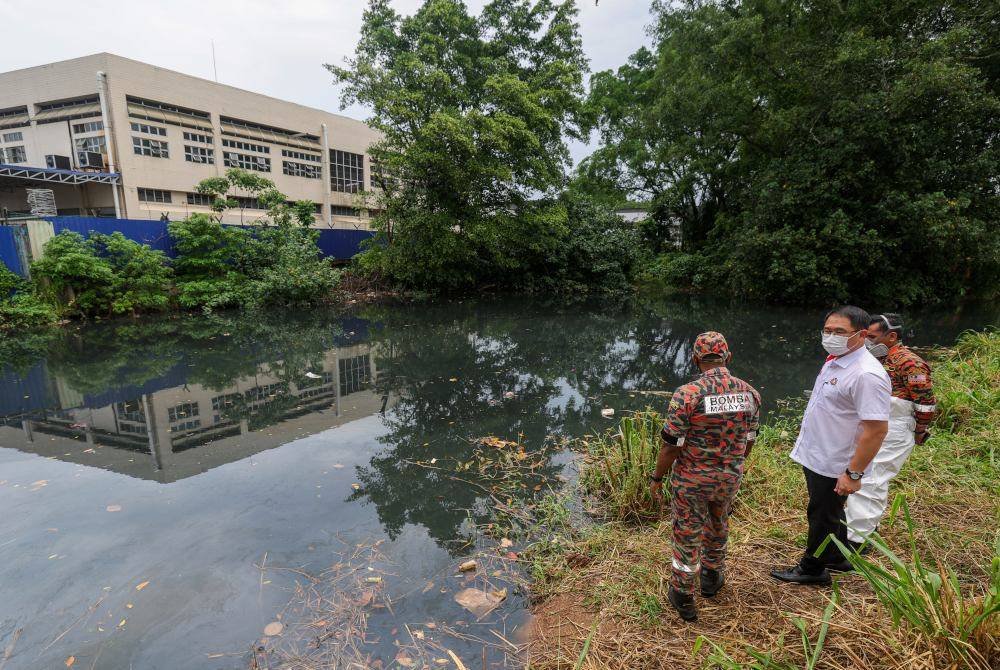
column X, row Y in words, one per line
column 842, row 429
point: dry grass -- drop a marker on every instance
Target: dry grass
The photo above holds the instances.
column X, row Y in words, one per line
column 615, row 576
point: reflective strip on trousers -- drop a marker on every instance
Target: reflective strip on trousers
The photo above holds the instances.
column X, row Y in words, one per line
column 925, row 408
column 689, row 569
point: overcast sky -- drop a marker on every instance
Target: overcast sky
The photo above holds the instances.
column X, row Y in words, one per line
column 266, row 46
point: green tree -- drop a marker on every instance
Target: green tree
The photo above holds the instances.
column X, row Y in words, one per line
column 73, row 275
column 275, row 261
column 815, row 152
column 140, row 275
column 473, row 113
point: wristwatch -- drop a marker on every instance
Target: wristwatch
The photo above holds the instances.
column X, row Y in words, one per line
column 855, row 475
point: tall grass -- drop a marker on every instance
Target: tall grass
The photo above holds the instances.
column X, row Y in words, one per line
column 618, row 463
column 931, row 601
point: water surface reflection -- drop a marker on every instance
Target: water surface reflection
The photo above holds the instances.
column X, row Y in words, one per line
column 224, row 438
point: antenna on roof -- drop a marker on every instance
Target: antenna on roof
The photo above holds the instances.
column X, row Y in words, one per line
column 215, row 68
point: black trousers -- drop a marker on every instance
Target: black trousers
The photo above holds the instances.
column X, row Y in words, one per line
column 826, row 516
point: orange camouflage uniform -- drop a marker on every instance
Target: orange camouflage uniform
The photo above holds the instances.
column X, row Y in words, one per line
column 715, row 415
column 911, row 380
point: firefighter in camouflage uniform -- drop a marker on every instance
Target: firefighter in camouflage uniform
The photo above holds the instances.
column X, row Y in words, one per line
column 710, row 427
column 911, row 410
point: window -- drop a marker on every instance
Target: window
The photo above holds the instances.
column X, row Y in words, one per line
column 14, row 155
column 340, row 210
column 161, row 112
column 130, row 410
column 347, row 171
column 247, row 203
column 129, row 428
column 258, row 393
column 246, row 146
column 148, row 129
column 187, row 425
column 302, row 170
column 13, row 137
column 221, row 402
column 153, row 195
column 89, row 144
column 317, row 207
column 98, row 144
column 258, row 163
column 200, row 199
column 197, row 137
column 355, row 373
column 155, row 148
column 302, row 156
column 199, row 155
column 88, row 127
column 182, row 411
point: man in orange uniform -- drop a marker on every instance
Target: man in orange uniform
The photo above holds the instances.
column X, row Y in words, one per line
column 911, row 410
column 710, row 428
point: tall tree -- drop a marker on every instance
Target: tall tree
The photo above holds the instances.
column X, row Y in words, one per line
column 816, row 152
column 474, row 112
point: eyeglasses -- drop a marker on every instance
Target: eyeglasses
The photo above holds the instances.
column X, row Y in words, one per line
column 840, row 331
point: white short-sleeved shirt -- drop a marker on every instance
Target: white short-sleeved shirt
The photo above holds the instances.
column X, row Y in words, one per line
column 849, row 389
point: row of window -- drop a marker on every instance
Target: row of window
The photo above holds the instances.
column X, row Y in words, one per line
column 13, row 137
column 246, row 146
column 182, row 411
column 199, row 155
column 245, row 162
column 13, row 155
column 153, row 195
column 288, row 153
column 146, row 147
column 88, row 127
column 301, row 170
column 148, row 129
column 161, row 196
column 197, row 137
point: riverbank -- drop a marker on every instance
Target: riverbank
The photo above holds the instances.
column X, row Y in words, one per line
column 600, row 588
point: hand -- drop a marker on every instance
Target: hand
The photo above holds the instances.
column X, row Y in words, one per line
column 846, row 486
column 656, row 490
column 921, row 436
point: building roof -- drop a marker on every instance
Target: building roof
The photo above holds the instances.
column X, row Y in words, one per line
column 109, row 55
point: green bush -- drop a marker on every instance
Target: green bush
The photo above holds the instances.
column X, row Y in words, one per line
column 140, row 275
column 205, row 264
column 20, row 308
column 72, row 276
column 275, row 262
column 102, row 275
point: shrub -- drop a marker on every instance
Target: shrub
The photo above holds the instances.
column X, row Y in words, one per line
column 140, row 274
column 73, row 276
column 618, row 464
column 205, row 263
column 20, row 308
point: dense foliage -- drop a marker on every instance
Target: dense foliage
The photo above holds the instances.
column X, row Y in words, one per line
column 474, row 112
column 275, row 263
column 20, row 308
column 813, row 152
column 102, row 275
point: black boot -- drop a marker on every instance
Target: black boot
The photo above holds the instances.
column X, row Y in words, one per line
column 683, row 603
column 711, row 581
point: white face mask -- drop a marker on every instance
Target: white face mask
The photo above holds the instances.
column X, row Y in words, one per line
column 877, row 350
column 836, row 345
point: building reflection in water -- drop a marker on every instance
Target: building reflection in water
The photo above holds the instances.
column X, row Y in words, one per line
column 180, row 431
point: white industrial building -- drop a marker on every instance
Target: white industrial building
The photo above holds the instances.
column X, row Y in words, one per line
column 111, row 136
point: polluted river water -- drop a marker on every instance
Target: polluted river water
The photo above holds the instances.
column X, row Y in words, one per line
column 240, row 491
